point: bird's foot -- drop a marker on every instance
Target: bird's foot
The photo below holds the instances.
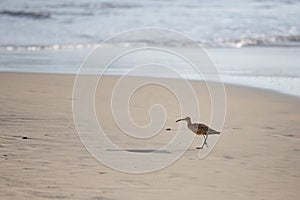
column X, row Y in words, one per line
column 202, row 146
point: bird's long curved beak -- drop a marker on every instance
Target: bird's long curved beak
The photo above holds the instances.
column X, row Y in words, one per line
column 178, row 120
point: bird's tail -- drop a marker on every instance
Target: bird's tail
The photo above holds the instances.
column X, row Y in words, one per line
column 213, row 132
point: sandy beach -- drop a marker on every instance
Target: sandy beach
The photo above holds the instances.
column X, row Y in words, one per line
column 42, row 157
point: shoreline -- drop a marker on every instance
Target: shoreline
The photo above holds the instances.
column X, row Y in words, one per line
column 264, row 68
column 149, row 77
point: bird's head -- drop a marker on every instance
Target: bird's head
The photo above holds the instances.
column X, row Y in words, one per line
column 184, row 119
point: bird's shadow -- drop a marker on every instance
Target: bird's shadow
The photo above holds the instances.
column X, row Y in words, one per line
column 141, row 150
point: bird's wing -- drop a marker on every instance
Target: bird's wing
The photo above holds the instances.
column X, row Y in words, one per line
column 203, row 127
column 198, row 128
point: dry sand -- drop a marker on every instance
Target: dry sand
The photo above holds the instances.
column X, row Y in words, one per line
column 42, row 157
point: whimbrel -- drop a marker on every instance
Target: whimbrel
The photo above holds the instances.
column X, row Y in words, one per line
column 199, row 129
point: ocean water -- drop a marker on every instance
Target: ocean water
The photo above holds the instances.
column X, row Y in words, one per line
column 253, row 42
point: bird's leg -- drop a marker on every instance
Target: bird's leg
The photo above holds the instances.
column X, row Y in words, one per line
column 203, row 143
column 204, row 139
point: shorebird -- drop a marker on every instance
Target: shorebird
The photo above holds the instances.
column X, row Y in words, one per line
column 199, row 129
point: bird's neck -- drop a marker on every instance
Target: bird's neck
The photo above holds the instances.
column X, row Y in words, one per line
column 189, row 122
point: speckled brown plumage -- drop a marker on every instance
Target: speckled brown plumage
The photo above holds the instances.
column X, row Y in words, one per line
column 202, row 129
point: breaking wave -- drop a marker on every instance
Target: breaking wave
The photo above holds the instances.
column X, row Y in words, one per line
column 28, row 14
